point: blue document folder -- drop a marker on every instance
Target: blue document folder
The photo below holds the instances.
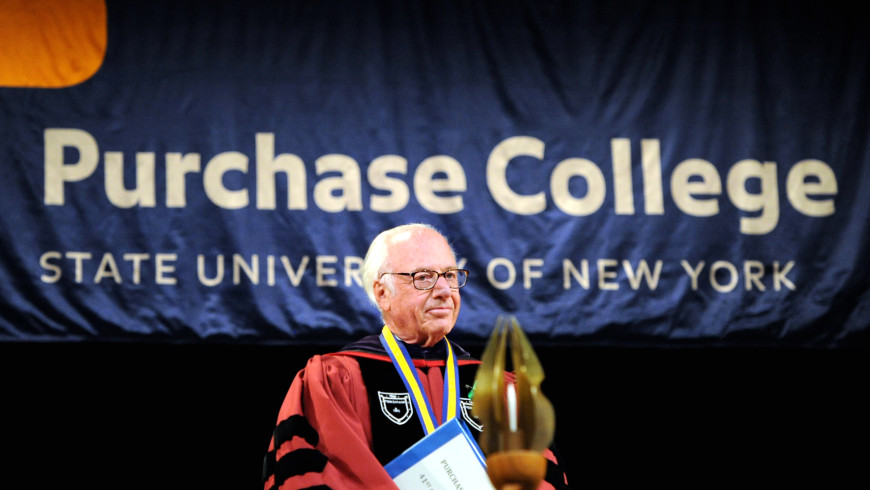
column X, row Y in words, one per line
column 448, row 458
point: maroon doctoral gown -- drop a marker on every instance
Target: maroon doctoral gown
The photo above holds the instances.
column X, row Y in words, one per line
column 348, row 413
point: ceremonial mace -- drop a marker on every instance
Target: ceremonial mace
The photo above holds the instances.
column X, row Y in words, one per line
column 518, row 420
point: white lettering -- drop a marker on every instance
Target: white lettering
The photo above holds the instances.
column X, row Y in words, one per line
column 268, row 165
column 529, row 272
column 426, row 185
column 143, row 194
column 496, row 175
column 137, row 259
column 46, row 262
column 779, row 276
column 508, row 266
column 295, row 275
column 177, row 166
column 201, row 273
column 652, row 176
column 694, row 272
column 642, row 273
column 56, row 171
column 342, row 192
column 724, row 276
column 109, row 268
column 439, row 182
column 163, row 266
column 322, row 270
column 251, row 269
column 595, row 186
column 353, row 271
column 620, row 151
column 604, row 273
column 753, row 271
column 799, row 190
column 766, row 201
column 569, row 271
column 693, row 177
column 397, row 191
column 213, row 180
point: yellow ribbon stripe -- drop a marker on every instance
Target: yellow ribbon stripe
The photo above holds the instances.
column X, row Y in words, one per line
column 451, row 385
column 411, row 378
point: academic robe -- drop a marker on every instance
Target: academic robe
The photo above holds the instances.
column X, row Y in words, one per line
column 347, row 414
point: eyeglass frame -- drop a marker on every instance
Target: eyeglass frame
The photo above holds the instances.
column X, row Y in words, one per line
column 438, row 275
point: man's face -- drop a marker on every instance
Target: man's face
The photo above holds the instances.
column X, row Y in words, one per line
column 419, row 317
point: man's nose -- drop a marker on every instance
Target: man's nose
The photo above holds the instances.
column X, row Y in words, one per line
column 441, row 286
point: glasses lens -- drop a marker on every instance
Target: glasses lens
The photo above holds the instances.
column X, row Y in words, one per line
column 461, row 277
column 427, row 279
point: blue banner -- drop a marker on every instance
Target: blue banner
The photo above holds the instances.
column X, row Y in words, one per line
column 612, row 173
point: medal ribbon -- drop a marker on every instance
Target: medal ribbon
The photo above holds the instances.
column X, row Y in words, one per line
column 405, row 367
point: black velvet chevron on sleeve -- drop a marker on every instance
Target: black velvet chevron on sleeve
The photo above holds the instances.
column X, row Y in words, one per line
column 296, row 462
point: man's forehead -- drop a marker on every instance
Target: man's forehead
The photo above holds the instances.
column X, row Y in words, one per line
column 421, row 249
column 417, row 238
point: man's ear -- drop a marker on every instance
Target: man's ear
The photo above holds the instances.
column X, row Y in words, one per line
column 382, row 295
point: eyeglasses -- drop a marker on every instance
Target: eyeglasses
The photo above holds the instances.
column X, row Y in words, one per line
column 425, row 280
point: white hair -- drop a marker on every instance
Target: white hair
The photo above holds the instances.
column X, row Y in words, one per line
column 377, row 260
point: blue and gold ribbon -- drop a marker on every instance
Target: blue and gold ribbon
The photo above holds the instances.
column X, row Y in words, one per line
column 405, row 367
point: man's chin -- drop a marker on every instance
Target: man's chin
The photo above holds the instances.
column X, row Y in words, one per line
column 439, row 330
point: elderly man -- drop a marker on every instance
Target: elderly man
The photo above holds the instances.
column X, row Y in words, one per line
column 350, row 412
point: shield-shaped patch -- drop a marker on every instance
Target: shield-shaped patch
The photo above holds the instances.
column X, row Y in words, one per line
column 466, row 404
column 396, row 406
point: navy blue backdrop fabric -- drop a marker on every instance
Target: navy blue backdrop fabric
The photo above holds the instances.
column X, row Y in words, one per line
column 620, row 173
